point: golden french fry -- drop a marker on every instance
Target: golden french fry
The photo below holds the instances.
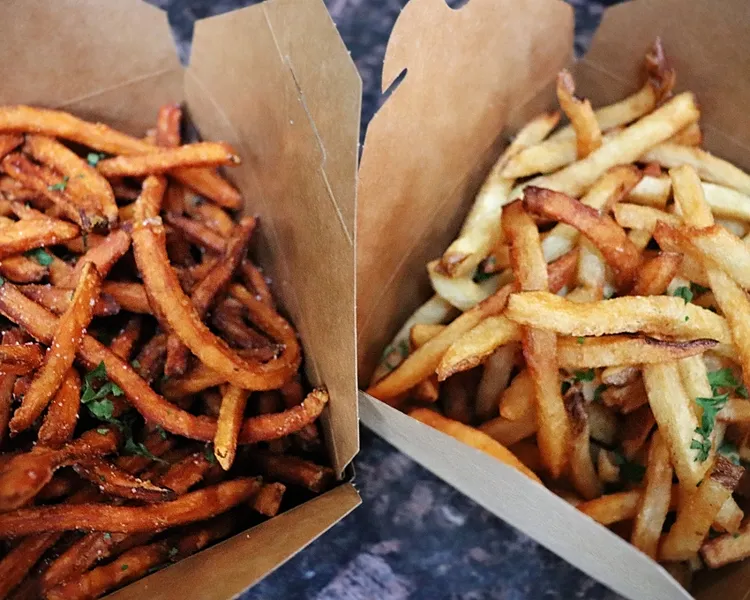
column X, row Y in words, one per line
column 651, row 191
column 635, row 216
column 581, row 115
column 228, row 425
column 652, row 315
column 654, row 502
column 472, row 437
column 626, row 398
column 654, row 276
column 495, row 378
column 582, row 471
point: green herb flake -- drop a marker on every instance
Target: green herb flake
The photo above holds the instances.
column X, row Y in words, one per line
column 102, row 430
column 581, row 340
column 565, row 387
column 481, row 275
column 687, row 318
column 41, row 256
column 59, row 187
column 173, row 551
column 135, row 364
column 2, row 281
column 632, row 471
column 93, row 158
column 684, row 293
column 735, row 535
column 209, row 454
column 722, row 378
column 124, row 568
column 139, row 449
column 161, row 432
column 729, row 451
column 585, row 375
column 107, row 536
column 711, row 408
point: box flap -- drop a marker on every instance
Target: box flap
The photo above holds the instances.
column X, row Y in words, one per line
column 526, row 505
column 707, row 45
column 286, row 93
column 94, row 48
column 220, row 572
column 410, row 186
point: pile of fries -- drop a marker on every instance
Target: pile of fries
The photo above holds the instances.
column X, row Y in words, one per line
column 591, row 327
column 147, row 380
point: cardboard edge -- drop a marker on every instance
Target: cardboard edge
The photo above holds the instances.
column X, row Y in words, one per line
column 222, row 577
column 547, row 519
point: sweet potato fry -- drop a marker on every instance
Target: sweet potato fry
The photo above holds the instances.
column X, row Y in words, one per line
column 62, row 415
column 470, row 436
column 268, row 500
column 653, row 315
column 55, row 123
column 194, row 506
column 539, row 345
column 604, row 233
column 21, row 236
column 199, row 154
column 103, row 255
column 115, row 482
column 15, row 565
column 175, row 308
column 62, row 351
column 168, row 122
column 655, row 499
column 255, row 280
column 58, row 299
column 42, row 324
column 581, row 116
column 130, row 296
column 84, row 185
column 21, row 269
column 25, row 474
column 198, row 233
column 293, row 471
column 228, row 425
column 204, row 294
column 695, row 516
column 23, row 358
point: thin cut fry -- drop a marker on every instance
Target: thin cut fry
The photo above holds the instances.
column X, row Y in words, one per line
column 21, row 236
column 228, row 425
column 634, row 216
column 695, row 516
column 581, row 116
column 654, row 276
column 653, row 315
column 470, row 436
column 293, row 471
column 199, row 154
column 495, row 378
column 651, row 191
column 62, row 351
column 582, row 471
column 62, row 415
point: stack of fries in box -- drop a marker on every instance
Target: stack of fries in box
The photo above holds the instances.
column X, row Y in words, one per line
column 136, row 331
column 591, row 326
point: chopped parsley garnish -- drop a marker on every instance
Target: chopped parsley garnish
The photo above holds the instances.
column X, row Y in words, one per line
column 139, row 449
column 209, row 454
column 402, row 348
column 724, row 378
column 102, row 430
column 41, row 256
column 632, row 471
column 59, row 187
column 135, row 364
column 107, row 536
column 564, row 387
column 161, row 432
column 93, row 158
column 581, row 340
column 124, row 568
column 173, row 552
column 729, row 451
column 684, row 293
column 711, row 408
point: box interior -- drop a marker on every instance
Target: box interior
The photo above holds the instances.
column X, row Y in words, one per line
column 276, row 81
column 473, row 76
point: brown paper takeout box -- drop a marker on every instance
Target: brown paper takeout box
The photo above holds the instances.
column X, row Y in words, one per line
column 473, row 75
column 276, row 81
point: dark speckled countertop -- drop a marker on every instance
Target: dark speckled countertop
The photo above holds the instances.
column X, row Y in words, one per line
column 414, row 537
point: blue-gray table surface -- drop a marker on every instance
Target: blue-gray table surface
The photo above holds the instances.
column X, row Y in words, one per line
column 414, row 536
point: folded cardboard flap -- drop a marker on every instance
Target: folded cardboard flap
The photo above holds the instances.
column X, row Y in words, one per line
column 261, row 93
column 429, row 146
column 526, row 505
column 221, row 570
column 276, row 81
column 400, row 183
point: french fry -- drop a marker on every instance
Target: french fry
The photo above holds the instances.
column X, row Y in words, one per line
column 470, row 436
column 612, row 508
column 582, row 471
column 625, row 147
column 652, row 315
column 608, row 351
column 104, row 256
column 727, row 548
column 724, row 250
column 168, row 122
column 215, row 218
column 21, row 236
column 619, row 376
column 673, row 411
column 695, row 516
column 708, row 167
column 581, row 115
column 539, row 345
column 62, row 415
column 457, row 397
column 638, row 425
column 199, row 154
column 495, row 378
column 228, row 425
column 197, row 233
column 21, row 269
column 293, row 471
column 58, row 300
column 84, row 185
column 603, row 423
column 635, row 216
column 105, row 139
column 421, row 333
column 116, row 482
column 604, row 233
column 268, row 500
column 60, row 356
column 726, row 202
column 651, row 191
column 592, row 271
column 481, row 228
column 654, row 276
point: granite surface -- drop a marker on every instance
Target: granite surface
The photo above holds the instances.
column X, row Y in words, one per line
column 414, row 537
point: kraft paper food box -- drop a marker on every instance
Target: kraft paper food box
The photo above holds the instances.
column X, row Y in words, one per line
column 276, row 81
column 473, row 75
